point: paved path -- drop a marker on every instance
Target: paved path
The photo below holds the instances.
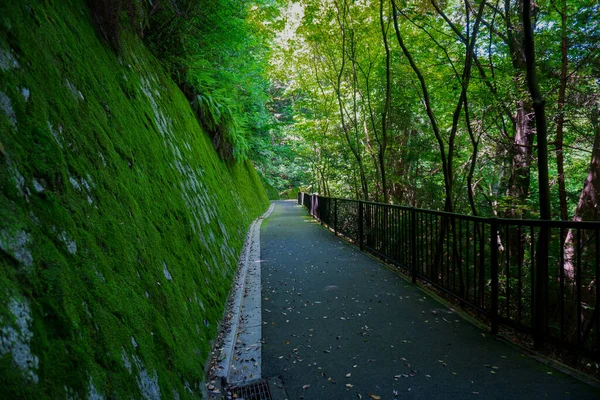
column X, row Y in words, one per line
column 338, row 325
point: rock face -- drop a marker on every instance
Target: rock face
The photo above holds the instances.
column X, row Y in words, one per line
column 120, row 227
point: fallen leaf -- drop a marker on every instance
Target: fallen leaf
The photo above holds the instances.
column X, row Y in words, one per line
column 374, row 396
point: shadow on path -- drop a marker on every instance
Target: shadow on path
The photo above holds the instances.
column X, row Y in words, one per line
column 338, row 325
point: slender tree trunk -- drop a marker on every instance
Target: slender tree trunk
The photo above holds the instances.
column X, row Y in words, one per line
column 588, row 205
column 430, row 114
column 386, row 108
column 374, row 158
column 560, row 167
column 521, row 147
column 446, row 156
column 341, row 18
column 474, row 154
column 401, row 192
column 519, row 179
column 355, row 123
column 539, row 106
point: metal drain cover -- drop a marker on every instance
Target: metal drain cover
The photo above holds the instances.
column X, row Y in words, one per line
column 262, row 389
column 256, row 390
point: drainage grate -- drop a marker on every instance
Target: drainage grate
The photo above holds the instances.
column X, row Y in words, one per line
column 257, row 390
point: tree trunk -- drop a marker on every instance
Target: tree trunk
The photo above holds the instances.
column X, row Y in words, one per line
column 560, row 167
column 341, row 18
column 519, row 179
column 386, row 109
column 541, row 278
column 430, row 114
column 521, row 147
column 588, row 206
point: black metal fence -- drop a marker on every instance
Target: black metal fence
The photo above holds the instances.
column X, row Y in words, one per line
column 489, row 265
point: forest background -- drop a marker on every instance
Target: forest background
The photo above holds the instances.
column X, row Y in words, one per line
column 421, row 103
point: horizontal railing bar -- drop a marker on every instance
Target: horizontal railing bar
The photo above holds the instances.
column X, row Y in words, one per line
column 502, row 221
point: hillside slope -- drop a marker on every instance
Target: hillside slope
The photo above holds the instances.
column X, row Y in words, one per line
column 120, row 227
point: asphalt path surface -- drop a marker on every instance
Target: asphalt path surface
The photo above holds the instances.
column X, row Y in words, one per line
column 339, row 325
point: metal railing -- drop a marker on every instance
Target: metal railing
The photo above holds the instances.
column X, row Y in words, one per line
column 490, row 265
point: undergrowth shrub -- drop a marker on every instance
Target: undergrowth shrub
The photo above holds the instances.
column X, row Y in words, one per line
column 212, row 51
column 226, row 129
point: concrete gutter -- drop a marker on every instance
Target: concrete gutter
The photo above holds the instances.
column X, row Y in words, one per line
column 237, row 352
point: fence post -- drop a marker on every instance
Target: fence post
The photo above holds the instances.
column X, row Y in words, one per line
column 494, row 274
column 540, row 317
column 360, row 224
column 335, row 218
column 413, row 244
column 319, row 209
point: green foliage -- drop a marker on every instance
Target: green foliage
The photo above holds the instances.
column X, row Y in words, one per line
column 342, row 40
column 226, row 130
column 290, row 194
column 216, row 51
column 120, row 227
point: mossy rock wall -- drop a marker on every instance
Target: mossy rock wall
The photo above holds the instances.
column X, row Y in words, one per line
column 120, row 228
column 272, row 193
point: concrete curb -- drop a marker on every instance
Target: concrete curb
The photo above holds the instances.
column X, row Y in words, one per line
column 247, row 277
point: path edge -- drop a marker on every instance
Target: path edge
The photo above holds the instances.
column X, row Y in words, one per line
column 223, row 348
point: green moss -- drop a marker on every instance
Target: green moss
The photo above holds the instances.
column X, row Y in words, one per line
column 132, row 223
column 272, row 192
